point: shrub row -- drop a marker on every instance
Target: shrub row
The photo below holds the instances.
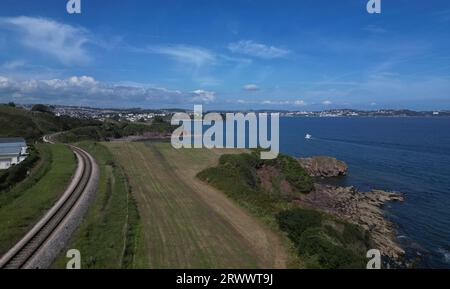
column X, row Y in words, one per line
column 19, row 172
column 320, row 243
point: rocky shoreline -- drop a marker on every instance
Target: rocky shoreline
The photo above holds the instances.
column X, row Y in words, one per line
column 323, row 166
column 364, row 209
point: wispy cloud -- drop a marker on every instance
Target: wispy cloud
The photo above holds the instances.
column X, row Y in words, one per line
column 251, row 87
column 59, row 40
column 375, row 29
column 14, row 64
column 194, row 55
column 254, row 49
column 297, row 102
column 183, row 53
column 88, row 91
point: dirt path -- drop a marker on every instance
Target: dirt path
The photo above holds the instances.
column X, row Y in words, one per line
column 189, row 224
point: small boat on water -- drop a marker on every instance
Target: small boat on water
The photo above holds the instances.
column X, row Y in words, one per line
column 308, row 136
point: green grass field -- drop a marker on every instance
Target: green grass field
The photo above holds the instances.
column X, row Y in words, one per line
column 26, row 203
column 110, row 235
column 186, row 223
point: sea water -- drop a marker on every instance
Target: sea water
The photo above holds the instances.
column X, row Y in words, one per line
column 403, row 154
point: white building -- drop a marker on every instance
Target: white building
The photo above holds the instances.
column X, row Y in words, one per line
column 12, row 151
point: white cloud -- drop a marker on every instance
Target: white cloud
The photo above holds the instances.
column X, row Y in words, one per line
column 86, row 90
column 251, row 48
column 327, row 102
column 5, row 83
column 185, row 54
column 251, row 87
column 203, row 96
column 275, row 102
column 300, row 103
column 62, row 41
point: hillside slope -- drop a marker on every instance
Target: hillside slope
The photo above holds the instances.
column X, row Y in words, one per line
column 31, row 125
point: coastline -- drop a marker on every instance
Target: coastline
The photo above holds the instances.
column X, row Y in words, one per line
column 364, row 209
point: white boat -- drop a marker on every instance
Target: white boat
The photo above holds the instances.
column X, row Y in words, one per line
column 308, row 136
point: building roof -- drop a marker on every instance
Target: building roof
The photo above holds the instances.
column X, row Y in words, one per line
column 11, row 140
column 11, row 146
column 10, row 151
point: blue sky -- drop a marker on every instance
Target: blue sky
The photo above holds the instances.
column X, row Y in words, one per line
column 300, row 55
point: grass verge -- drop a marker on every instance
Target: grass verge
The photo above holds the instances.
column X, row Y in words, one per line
column 27, row 202
column 110, row 235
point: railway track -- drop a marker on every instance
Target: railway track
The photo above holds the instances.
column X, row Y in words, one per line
column 27, row 248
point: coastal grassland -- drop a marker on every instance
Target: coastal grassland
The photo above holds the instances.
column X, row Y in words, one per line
column 320, row 241
column 186, row 223
column 23, row 205
column 111, row 233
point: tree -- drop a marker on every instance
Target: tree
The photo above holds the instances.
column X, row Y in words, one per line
column 41, row 108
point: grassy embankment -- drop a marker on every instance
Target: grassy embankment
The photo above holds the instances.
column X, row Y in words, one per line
column 320, row 240
column 186, row 223
column 111, row 233
column 31, row 125
column 24, row 204
column 113, row 129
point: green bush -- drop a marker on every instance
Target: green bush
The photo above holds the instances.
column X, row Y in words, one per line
column 322, row 245
column 19, row 172
column 41, row 108
column 295, row 174
column 109, row 130
column 296, row 221
column 236, row 175
column 329, row 254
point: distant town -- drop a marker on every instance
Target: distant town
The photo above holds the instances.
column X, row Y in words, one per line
column 144, row 115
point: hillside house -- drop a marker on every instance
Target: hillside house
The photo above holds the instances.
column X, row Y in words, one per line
column 12, row 151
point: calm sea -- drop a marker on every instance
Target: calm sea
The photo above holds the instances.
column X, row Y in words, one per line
column 408, row 155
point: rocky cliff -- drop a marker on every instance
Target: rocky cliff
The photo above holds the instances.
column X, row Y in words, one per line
column 364, row 209
column 323, row 166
